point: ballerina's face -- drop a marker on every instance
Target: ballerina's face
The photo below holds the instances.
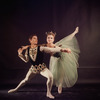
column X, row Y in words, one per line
column 50, row 39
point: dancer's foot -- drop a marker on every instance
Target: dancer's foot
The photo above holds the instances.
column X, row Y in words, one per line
column 76, row 30
column 12, row 90
column 60, row 89
column 50, row 96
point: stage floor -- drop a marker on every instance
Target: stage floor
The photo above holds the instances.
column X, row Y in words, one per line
column 38, row 92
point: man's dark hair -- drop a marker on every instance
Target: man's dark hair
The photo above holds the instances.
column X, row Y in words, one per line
column 30, row 37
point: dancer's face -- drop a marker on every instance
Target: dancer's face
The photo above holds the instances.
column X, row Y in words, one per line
column 34, row 40
column 50, row 39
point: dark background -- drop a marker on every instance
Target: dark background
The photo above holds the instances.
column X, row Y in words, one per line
column 19, row 19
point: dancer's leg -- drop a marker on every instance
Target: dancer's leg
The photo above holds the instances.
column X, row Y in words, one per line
column 29, row 75
column 60, row 82
column 69, row 37
column 46, row 73
column 60, row 88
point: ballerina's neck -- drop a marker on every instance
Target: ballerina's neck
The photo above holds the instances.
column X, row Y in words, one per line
column 51, row 45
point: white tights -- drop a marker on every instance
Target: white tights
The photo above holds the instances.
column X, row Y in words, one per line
column 46, row 73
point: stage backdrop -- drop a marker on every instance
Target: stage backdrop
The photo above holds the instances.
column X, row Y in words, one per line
column 20, row 19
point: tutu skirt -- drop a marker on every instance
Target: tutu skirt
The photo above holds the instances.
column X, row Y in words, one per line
column 64, row 67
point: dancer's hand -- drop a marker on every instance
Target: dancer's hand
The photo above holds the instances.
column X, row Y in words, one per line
column 25, row 47
column 20, row 50
column 66, row 50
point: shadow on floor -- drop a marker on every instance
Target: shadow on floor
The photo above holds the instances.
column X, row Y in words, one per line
column 37, row 92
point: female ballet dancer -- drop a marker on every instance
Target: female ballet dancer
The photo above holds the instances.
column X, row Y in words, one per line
column 64, row 65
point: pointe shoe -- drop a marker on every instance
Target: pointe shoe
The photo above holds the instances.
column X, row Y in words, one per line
column 12, row 90
column 50, row 96
column 59, row 89
column 76, row 30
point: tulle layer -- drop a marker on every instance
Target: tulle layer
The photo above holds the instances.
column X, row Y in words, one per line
column 64, row 68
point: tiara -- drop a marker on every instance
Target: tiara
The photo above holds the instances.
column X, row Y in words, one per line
column 51, row 33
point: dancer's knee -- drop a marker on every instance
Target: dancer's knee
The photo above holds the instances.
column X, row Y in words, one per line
column 50, row 79
column 25, row 80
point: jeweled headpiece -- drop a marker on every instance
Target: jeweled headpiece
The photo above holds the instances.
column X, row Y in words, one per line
column 51, row 33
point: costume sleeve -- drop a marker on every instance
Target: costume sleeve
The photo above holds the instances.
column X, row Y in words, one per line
column 25, row 57
column 50, row 50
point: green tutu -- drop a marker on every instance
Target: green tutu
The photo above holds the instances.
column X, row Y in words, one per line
column 64, row 68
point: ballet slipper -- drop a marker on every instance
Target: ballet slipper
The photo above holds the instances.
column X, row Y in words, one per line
column 60, row 89
column 12, row 90
column 50, row 96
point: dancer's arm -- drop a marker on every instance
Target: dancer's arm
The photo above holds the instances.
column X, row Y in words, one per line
column 66, row 50
column 54, row 50
column 25, row 57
